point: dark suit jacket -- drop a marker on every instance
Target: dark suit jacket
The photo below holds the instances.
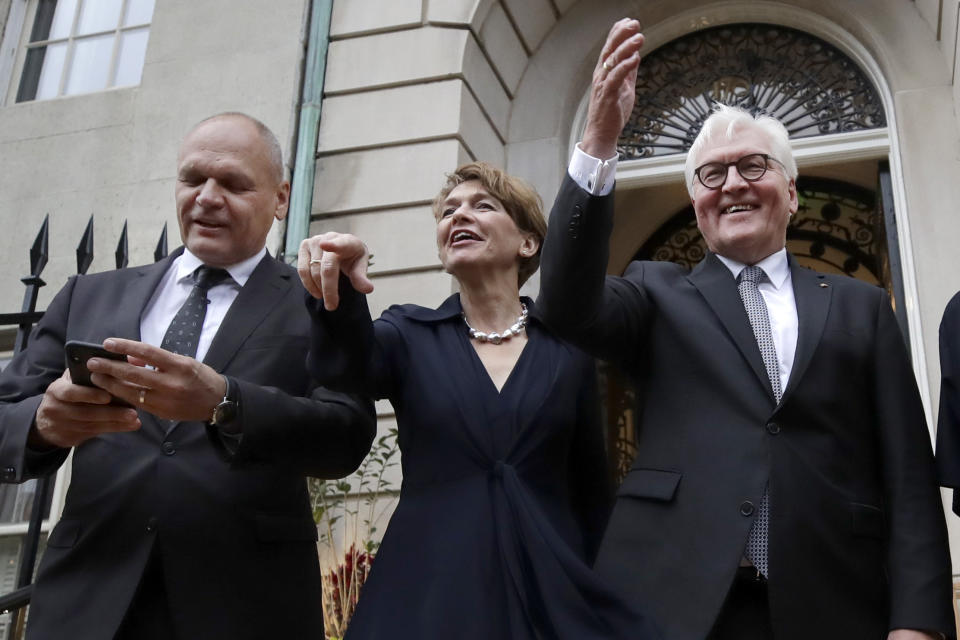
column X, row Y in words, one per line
column 948, row 425
column 857, row 540
column 235, row 533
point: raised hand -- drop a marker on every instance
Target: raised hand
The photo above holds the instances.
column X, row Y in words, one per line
column 614, row 89
column 324, row 257
column 175, row 388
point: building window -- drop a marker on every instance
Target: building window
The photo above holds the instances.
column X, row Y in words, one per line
column 81, row 46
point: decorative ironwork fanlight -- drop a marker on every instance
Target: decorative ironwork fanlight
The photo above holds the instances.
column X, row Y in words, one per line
column 806, row 83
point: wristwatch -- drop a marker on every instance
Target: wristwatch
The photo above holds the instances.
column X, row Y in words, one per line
column 226, row 412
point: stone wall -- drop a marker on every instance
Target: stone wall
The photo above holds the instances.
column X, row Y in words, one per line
column 113, row 153
column 414, row 89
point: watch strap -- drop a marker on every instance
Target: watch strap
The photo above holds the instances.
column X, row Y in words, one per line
column 229, row 398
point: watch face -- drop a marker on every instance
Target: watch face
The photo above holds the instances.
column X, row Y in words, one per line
column 225, row 412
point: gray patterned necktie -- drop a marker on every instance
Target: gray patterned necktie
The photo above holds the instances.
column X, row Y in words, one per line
column 183, row 334
column 747, row 283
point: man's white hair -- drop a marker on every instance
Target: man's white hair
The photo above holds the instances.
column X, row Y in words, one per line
column 727, row 121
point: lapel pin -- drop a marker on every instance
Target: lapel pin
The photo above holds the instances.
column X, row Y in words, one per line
column 824, row 285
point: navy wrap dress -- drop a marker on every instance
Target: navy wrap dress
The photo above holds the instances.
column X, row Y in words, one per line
column 505, row 494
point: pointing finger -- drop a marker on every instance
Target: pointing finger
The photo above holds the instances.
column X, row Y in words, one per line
column 305, row 263
column 330, row 280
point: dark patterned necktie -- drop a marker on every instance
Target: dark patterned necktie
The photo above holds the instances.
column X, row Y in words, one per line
column 756, row 308
column 183, row 334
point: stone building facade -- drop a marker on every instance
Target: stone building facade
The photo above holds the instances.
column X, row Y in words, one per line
column 415, row 87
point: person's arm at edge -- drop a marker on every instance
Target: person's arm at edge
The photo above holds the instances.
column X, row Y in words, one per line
column 918, row 557
column 948, row 422
column 22, row 385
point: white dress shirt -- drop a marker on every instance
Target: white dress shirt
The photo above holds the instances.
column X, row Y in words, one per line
column 594, row 176
column 174, row 288
column 777, row 291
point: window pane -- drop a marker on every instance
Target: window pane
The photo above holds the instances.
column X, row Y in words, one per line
column 138, row 12
column 53, row 19
column 63, row 19
column 32, row 66
column 99, row 15
column 52, row 70
column 133, row 46
column 90, row 68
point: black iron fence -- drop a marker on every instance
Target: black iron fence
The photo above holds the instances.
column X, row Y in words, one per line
column 16, row 601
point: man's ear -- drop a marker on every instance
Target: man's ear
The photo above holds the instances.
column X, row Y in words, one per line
column 283, row 200
column 794, row 199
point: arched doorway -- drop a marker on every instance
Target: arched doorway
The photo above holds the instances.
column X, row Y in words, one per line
column 845, row 223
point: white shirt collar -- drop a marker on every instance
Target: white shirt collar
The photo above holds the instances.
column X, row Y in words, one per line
column 774, row 265
column 187, row 263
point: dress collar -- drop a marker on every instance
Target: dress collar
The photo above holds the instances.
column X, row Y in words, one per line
column 451, row 308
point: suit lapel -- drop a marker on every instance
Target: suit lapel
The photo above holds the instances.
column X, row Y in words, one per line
column 813, row 296
column 260, row 295
column 719, row 288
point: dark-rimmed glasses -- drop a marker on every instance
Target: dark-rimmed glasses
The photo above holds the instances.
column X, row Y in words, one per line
column 751, row 168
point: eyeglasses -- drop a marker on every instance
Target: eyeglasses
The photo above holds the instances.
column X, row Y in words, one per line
column 751, row 168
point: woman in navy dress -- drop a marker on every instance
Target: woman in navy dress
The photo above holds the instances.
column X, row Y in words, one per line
column 505, row 488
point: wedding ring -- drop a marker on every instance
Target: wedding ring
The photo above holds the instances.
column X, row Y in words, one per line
column 143, row 396
column 316, row 261
column 607, row 66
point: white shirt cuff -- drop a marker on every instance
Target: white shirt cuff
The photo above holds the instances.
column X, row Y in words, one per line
column 594, row 176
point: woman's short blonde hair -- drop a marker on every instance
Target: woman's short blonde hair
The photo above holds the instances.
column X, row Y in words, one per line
column 520, row 200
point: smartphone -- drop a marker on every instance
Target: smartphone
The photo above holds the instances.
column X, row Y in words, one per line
column 77, row 353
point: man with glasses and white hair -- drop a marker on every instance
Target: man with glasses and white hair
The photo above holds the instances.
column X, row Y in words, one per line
column 784, row 483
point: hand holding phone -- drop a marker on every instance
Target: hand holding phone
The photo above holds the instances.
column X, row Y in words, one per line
column 77, row 353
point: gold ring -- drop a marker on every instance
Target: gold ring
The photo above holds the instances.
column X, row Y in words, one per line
column 316, row 261
column 143, row 396
column 607, row 67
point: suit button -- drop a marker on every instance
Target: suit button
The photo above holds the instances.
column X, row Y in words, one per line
column 773, row 428
column 746, row 508
column 151, row 525
column 168, row 448
column 9, row 473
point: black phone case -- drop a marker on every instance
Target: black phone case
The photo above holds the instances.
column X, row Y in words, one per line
column 77, row 353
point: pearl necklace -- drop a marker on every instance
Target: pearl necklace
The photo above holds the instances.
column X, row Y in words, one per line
column 496, row 338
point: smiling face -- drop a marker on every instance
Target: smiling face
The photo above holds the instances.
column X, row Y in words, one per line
column 744, row 221
column 474, row 231
column 227, row 192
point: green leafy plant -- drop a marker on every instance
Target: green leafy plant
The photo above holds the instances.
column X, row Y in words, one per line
column 347, row 513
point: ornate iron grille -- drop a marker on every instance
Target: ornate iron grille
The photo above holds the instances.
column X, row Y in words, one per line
column 837, row 229
column 806, row 83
